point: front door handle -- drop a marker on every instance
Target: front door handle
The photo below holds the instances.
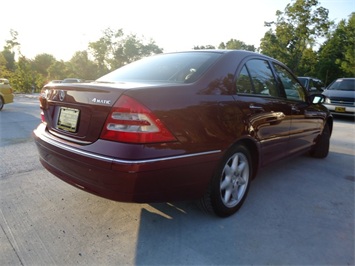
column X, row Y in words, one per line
column 295, row 109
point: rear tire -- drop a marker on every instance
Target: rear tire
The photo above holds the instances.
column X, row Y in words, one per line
column 321, row 148
column 230, row 185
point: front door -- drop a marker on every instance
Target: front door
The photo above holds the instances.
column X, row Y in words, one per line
column 306, row 119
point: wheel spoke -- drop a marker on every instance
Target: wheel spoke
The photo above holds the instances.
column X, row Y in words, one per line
column 235, row 163
column 228, row 170
column 225, row 183
column 241, row 167
column 227, row 195
column 235, row 193
column 241, row 181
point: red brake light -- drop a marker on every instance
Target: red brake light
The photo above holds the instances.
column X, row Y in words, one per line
column 130, row 121
column 43, row 119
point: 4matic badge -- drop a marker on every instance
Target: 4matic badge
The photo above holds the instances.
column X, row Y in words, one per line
column 101, row 101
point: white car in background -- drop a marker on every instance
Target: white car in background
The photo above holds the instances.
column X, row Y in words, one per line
column 341, row 97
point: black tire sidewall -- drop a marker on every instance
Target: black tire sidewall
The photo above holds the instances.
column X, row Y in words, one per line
column 321, row 148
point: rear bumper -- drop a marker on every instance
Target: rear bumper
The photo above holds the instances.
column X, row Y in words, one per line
column 156, row 179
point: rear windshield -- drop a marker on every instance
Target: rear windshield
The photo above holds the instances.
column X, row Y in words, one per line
column 166, row 68
column 343, row 85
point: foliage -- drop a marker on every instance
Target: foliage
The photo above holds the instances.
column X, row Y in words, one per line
column 204, row 47
column 236, row 45
column 9, row 58
column 24, row 77
column 42, row 62
column 336, row 55
column 295, row 33
column 5, row 72
column 82, row 67
column 114, row 49
column 232, row 44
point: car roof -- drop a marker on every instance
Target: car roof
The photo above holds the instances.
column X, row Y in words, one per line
column 345, row 79
column 243, row 53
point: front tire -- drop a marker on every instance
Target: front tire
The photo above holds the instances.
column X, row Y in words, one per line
column 230, row 185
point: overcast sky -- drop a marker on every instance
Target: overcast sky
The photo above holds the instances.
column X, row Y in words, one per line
column 63, row 27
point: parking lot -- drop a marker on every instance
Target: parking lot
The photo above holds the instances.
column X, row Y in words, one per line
column 298, row 212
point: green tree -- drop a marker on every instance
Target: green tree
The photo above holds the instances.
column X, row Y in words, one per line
column 204, row 47
column 82, row 67
column 12, row 43
column 24, row 77
column 295, row 31
column 234, row 44
column 57, row 70
column 9, row 57
column 9, row 51
column 42, row 62
column 4, row 71
column 336, row 54
column 131, row 49
column 347, row 63
column 308, row 63
column 114, row 49
column 103, row 49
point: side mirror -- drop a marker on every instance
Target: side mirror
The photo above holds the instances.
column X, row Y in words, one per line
column 317, row 98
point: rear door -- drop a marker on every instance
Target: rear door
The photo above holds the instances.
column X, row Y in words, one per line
column 269, row 118
column 306, row 118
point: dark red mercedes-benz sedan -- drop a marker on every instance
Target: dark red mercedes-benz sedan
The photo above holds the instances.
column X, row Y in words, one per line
column 178, row 126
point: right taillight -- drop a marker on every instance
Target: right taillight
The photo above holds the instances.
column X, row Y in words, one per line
column 130, row 121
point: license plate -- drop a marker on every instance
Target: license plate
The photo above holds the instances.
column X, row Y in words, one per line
column 340, row 109
column 68, row 119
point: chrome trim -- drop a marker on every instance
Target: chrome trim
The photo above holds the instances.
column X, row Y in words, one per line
column 114, row 160
column 69, row 138
column 166, row 158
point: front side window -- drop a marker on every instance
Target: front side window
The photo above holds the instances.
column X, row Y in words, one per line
column 293, row 89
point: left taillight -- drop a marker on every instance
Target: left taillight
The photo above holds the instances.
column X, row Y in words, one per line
column 42, row 117
column 130, row 121
column 43, row 104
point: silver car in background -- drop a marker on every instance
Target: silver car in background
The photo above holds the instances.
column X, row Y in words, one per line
column 341, row 97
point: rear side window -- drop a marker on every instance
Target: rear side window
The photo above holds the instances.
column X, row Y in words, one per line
column 244, row 84
column 293, row 90
column 256, row 78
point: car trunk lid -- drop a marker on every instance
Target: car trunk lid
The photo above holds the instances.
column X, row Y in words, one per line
column 77, row 112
